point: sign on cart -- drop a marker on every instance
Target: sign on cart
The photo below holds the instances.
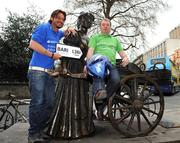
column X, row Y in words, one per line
column 69, row 51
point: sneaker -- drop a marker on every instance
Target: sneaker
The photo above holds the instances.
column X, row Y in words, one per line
column 45, row 136
column 100, row 95
column 94, row 117
column 36, row 138
column 100, row 115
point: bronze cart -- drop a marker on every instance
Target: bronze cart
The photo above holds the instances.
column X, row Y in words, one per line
column 137, row 107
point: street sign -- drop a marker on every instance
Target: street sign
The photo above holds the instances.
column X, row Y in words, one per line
column 68, row 51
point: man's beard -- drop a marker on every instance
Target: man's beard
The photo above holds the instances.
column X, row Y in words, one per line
column 58, row 27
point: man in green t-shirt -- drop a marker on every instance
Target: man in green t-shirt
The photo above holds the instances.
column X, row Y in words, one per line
column 106, row 45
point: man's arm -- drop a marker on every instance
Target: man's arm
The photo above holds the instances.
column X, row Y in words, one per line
column 124, row 57
column 89, row 53
column 88, row 56
column 69, row 30
column 39, row 48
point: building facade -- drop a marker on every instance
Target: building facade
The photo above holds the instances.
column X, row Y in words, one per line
column 175, row 33
column 165, row 48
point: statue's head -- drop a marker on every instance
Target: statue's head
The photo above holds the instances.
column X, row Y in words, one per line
column 85, row 21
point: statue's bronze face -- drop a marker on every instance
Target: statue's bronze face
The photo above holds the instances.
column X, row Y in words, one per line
column 85, row 20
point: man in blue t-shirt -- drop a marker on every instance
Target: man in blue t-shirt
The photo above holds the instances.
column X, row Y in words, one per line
column 41, row 84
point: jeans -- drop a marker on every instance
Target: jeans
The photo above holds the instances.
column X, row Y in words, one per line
column 112, row 83
column 42, row 92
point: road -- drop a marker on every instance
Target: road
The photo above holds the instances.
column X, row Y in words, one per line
column 172, row 108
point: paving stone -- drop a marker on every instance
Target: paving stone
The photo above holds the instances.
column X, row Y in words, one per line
column 105, row 133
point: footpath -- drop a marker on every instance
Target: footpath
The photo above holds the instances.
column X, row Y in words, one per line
column 105, row 133
column 168, row 130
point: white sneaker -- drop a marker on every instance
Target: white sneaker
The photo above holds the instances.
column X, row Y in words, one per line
column 101, row 94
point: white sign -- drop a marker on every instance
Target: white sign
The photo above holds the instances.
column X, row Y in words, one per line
column 69, row 51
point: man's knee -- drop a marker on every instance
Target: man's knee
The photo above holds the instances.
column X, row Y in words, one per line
column 115, row 80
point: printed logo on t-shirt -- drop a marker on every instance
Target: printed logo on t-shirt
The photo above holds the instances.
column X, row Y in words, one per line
column 51, row 45
column 52, row 42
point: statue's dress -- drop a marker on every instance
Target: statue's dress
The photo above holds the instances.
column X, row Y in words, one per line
column 72, row 113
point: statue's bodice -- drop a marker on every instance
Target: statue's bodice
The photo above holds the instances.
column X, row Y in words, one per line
column 75, row 65
column 77, row 40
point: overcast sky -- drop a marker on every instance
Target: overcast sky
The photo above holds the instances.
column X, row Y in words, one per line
column 20, row 6
column 168, row 20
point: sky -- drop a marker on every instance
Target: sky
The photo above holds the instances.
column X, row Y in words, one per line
column 167, row 20
column 19, row 6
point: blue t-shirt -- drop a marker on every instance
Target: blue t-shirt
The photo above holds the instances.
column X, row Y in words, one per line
column 48, row 38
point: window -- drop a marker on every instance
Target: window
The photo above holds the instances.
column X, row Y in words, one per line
column 162, row 60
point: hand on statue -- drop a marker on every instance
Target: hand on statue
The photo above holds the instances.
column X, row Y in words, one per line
column 56, row 56
column 70, row 30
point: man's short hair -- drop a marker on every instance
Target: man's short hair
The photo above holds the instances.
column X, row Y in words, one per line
column 105, row 19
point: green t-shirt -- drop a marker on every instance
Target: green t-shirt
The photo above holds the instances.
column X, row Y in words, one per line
column 106, row 45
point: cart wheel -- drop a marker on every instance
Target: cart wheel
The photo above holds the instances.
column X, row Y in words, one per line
column 133, row 109
column 142, row 66
column 159, row 63
column 7, row 119
column 153, row 68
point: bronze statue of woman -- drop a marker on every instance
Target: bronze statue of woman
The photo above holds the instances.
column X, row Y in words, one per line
column 72, row 114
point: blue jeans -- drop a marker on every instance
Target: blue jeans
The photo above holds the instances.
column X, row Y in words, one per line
column 42, row 92
column 112, row 84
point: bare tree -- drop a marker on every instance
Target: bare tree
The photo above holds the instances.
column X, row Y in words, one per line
column 130, row 18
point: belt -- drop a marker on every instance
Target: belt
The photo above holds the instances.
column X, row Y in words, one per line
column 39, row 69
column 67, row 74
